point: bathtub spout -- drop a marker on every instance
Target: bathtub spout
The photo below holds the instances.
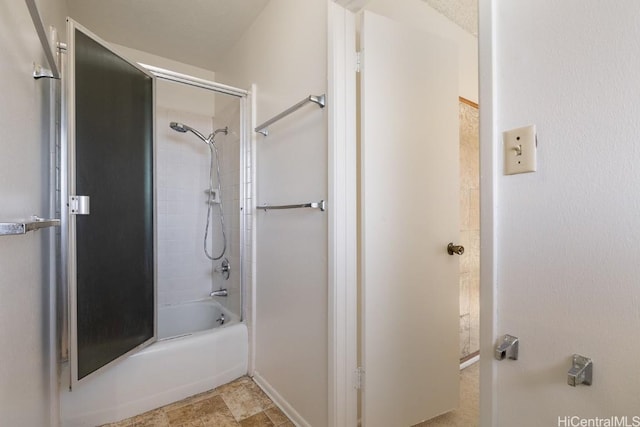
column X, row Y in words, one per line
column 220, row 293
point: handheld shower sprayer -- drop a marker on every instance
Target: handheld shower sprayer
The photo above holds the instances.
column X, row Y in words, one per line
column 181, row 127
column 210, row 141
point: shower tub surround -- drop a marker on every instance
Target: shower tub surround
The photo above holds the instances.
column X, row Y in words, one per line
column 202, row 356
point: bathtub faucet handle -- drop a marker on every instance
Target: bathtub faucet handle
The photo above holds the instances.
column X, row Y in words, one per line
column 224, row 269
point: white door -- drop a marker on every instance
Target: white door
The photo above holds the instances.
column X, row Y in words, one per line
column 409, row 212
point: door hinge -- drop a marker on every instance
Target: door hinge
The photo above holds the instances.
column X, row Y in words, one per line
column 358, row 378
column 79, row 205
column 358, row 61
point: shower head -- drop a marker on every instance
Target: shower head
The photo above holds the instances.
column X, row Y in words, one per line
column 178, row 127
column 181, row 127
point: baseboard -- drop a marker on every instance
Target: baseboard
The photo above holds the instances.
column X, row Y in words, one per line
column 468, row 361
column 284, row 406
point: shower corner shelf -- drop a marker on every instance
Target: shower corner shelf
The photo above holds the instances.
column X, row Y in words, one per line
column 24, row 226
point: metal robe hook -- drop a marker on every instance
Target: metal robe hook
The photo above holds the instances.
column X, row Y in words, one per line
column 507, row 348
column 581, row 371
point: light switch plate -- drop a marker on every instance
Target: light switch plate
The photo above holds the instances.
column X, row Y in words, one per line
column 520, row 147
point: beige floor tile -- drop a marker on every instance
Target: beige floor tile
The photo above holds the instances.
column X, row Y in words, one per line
column 155, row 418
column 188, row 423
column 220, row 419
column 277, row 417
column 258, row 420
column 241, row 403
column 258, row 395
column 180, row 414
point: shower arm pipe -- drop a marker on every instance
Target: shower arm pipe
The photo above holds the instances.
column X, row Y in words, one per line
column 316, row 99
column 194, row 81
column 313, row 205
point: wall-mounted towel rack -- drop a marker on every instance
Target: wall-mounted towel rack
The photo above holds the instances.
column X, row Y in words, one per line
column 316, row 99
column 39, row 71
column 23, row 227
column 313, row 205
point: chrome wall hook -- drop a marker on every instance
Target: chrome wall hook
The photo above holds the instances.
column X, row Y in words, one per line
column 581, row 371
column 507, row 348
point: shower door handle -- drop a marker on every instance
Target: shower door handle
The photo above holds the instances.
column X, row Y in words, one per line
column 455, row 249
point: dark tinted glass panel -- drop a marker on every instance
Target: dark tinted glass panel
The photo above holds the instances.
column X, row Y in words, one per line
column 114, row 164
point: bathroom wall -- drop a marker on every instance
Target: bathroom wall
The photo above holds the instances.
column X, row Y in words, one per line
column 285, row 54
column 28, row 386
column 469, row 229
column 566, row 238
column 184, row 272
column 229, row 148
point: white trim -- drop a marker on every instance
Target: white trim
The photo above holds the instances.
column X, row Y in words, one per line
column 469, row 362
column 251, row 217
column 488, row 216
column 280, row 402
column 342, row 248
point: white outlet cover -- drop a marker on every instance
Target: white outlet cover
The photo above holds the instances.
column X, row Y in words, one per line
column 520, row 146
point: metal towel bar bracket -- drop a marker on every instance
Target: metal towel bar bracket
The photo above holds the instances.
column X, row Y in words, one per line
column 313, row 205
column 316, row 99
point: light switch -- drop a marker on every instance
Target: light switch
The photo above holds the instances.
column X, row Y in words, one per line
column 520, row 150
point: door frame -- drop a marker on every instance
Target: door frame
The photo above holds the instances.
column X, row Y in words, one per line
column 489, row 161
column 342, row 218
column 342, row 176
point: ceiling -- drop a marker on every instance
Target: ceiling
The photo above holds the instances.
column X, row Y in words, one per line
column 199, row 32
column 196, row 32
column 462, row 12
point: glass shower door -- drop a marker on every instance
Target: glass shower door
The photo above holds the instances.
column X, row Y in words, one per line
column 111, row 258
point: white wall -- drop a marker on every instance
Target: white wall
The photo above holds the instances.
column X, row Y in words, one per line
column 418, row 14
column 285, row 54
column 229, row 149
column 28, row 393
column 567, row 235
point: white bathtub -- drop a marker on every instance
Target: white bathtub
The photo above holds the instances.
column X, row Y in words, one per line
column 199, row 356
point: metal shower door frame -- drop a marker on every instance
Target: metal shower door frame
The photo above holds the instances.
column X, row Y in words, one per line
column 68, row 188
column 68, row 180
column 247, row 203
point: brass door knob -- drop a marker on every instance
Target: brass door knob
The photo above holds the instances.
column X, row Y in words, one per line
column 455, row 249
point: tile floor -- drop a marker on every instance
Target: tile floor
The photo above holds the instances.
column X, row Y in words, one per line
column 240, row 403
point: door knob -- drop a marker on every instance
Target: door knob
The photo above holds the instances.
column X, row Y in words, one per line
column 455, row 249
